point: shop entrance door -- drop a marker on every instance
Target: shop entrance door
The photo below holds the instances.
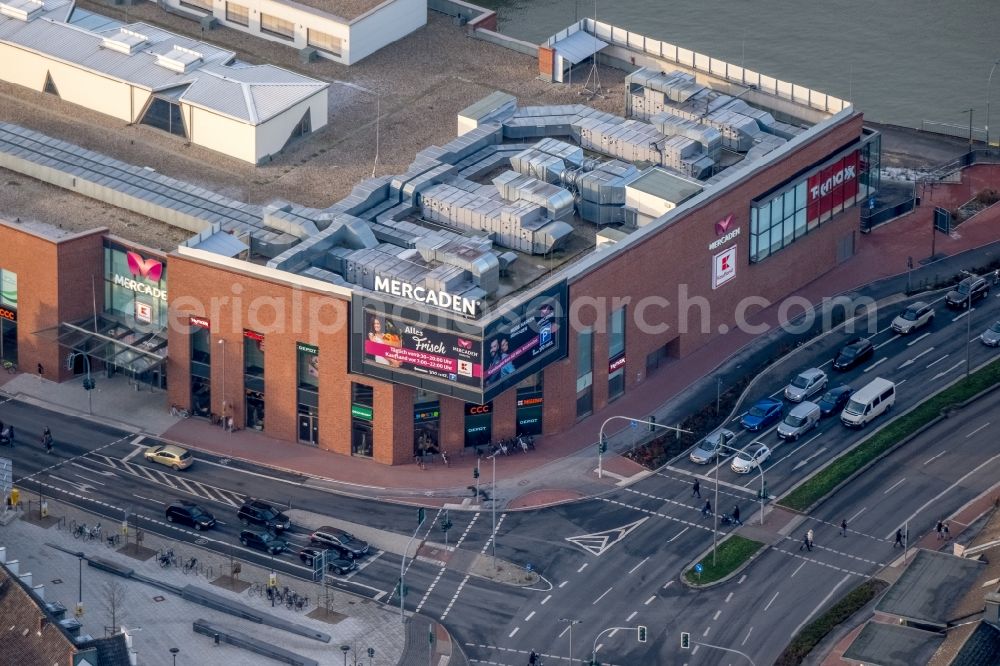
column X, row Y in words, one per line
column 309, row 426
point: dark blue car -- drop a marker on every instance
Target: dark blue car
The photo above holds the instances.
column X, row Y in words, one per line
column 762, row 414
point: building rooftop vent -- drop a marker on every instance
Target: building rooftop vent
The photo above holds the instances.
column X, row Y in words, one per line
column 179, row 59
column 23, row 10
column 124, row 41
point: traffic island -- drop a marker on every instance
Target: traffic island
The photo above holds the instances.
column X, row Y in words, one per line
column 731, row 556
column 502, row 571
column 889, row 437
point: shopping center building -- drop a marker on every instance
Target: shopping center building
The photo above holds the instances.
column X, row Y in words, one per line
column 518, row 279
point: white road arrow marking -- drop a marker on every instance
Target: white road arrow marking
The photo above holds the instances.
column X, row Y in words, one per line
column 802, row 463
column 599, row 542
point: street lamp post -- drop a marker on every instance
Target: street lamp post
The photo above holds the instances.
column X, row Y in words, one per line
column 571, row 623
column 402, row 565
column 989, row 82
column 969, row 111
column 493, row 507
column 725, row 649
column 79, row 589
column 968, row 332
column 173, row 653
column 601, row 439
column 345, row 649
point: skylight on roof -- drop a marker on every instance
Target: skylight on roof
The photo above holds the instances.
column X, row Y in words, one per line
column 179, row 59
column 124, row 41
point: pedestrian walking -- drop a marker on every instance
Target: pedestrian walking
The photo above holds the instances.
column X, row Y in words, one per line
column 809, row 535
column 707, row 509
column 696, row 489
column 10, row 435
column 736, row 514
column 899, row 539
column 947, row 532
column 843, row 528
column 47, row 439
column 940, row 530
column 806, row 542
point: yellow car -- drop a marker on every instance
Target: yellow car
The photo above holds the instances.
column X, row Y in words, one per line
column 169, row 455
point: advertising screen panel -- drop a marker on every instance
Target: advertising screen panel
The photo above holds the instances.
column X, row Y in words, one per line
column 830, row 187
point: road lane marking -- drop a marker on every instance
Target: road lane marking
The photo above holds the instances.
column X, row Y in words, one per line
column 914, row 359
column 883, row 344
column 772, row 599
column 747, row 637
column 944, row 372
column 563, row 632
column 613, row 632
column 530, row 615
column 728, row 597
column 855, row 516
column 876, row 364
column 149, row 499
column 677, row 535
column 797, row 569
column 890, row 488
column 933, row 458
column 134, row 453
column 985, row 425
column 932, row 363
column 803, row 463
column 629, row 618
column 632, row 570
column 603, row 595
column 667, row 584
column 546, row 599
column 597, row 543
column 511, row 634
column 650, row 600
column 716, row 616
column 951, row 488
column 87, row 478
column 706, row 632
column 959, row 316
column 742, row 578
column 582, row 568
column 827, row 598
column 916, row 340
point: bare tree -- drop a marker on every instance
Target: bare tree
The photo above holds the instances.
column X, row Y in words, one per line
column 114, row 603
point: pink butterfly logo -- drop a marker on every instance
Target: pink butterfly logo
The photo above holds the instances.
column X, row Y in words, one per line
column 150, row 269
column 722, row 226
column 465, row 344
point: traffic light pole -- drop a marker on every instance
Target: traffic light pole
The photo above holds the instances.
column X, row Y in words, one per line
column 402, row 565
column 602, row 442
column 640, row 633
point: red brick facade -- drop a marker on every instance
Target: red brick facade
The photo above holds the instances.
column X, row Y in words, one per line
column 546, row 62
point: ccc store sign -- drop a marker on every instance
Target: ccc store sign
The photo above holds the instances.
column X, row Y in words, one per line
column 476, row 410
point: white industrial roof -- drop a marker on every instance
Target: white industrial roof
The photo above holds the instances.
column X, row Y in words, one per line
column 579, row 46
column 153, row 59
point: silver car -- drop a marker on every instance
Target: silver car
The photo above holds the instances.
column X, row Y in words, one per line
column 919, row 314
column 991, row 336
column 806, row 384
column 709, row 448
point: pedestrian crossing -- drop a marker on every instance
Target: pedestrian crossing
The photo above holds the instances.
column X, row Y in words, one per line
column 174, row 481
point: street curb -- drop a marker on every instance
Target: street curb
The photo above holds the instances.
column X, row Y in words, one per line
column 53, row 407
column 905, row 440
column 764, row 547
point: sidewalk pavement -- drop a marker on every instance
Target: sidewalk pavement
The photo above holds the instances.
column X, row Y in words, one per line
column 563, row 466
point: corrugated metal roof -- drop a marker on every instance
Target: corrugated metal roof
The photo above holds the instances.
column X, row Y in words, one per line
column 579, row 46
column 253, row 94
column 222, row 243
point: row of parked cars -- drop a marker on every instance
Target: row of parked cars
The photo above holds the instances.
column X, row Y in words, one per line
column 264, row 526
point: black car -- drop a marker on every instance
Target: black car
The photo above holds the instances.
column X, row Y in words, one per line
column 256, row 512
column 189, row 513
column 854, row 352
column 334, row 561
column 833, row 401
column 345, row 542
column 263, row 540
column 973, row 285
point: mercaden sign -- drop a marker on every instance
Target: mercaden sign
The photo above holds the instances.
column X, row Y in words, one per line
column 440, row 299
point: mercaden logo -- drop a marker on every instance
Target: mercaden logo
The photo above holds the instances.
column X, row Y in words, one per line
column 151, row 269
column 722, row 226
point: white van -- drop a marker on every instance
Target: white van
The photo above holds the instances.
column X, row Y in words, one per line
column 874, row 398
column 803, row 418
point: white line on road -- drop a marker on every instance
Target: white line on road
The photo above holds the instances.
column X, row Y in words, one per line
column 933, row 458
column 650, row 600
column 890, row 488
column 916, row 340
column 135, row 452
column 149, row 499
column 883, row 344
column 613, row 632
column 632, row 570
column 876, row 364
column 985, row 425
column 88, row 479
column 855, row 516
column 803, row 463
column 706, row 632
column 675, row 536
column 602, row 596
column 944, row 372
column 728, row 597
column 582, row 568
column 772, row 599
column 629, row 618
column 821, row 604
column 951, row 488
column 530, row 615
column 932, row 363
column 563, row 584
column 716, row 616
column 797, row 569
column 742, row 578
column 667, row 584
column 511, row 634
column 747, row 637
column 546, row 599
column 564, row 631
column 959, row 316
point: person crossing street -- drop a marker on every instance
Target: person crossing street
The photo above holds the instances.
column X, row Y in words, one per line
column 696, row 489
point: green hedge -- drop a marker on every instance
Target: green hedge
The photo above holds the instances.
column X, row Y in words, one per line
column 806, row 640
column 730, row 554
column 829, row 478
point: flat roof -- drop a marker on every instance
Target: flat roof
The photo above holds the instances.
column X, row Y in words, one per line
column 345, row 9
column 665, row 185
column 930, row 587
column 893, row 645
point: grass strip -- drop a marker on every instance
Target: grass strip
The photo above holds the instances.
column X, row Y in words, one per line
column 806, row 640
column 829, row 478
column 730, row 554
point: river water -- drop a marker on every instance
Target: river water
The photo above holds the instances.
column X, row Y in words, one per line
column 899, row 61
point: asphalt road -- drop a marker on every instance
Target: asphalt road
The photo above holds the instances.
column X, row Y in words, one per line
column 609, row 562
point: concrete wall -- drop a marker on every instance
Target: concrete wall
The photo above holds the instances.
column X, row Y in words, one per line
column 385, row 25
column 272, row 135
column 225, row 135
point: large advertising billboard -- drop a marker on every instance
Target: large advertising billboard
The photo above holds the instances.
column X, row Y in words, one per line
column 471, row 360
column 832, row 186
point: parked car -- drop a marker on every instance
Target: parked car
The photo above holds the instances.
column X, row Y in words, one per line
column 854, row 353
column 803, row 418
column 709, row 448
column 263, row 540
column 189, row 513
column 343, row 541
column 750, row 458
column 833, row 401
column 917, row 315
column 169, row 455
column 991, row 336
column 806, row 384
column 762, row 414
column 334, row 560
column 256, row 512
column 974, row 286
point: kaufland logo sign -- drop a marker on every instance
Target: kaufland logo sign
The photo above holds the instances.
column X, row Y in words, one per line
column 145, row 269
column 723, row 229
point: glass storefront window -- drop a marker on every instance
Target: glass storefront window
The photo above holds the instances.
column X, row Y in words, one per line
column 616, row 353
column 8, row 289
column 362, row 416
column 478, row 424
column 253, row 378
column 307, row 364
column 584, row 371
column 255, row 409
column 135, row 286
column 201, row 367
column 426, row 428
column 8, row 339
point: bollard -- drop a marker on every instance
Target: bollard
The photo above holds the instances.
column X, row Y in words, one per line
column 216, row 640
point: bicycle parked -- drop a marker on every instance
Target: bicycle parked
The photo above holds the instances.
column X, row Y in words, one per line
column 80, row 531
column 177, row 410
column 167, row 558
column 191, row 566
